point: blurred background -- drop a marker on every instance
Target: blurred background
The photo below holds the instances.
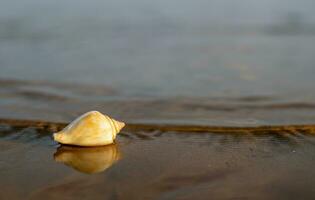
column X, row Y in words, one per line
column 222, row 62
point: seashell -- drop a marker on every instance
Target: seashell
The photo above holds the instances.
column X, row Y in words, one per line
column 88, row 160
column 90, row 129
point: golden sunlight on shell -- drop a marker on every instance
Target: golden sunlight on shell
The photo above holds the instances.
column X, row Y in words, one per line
column 88, row 160
column 90, row 129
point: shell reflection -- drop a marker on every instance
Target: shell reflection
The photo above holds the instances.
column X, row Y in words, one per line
column 88, row 160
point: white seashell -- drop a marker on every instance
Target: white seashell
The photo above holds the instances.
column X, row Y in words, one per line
column 88, row 160
column 90, row 129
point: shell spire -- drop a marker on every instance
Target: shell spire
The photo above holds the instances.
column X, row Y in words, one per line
column 90, row 129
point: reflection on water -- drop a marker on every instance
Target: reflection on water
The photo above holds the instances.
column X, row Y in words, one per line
column 208, row 62
column 88, row 160
column 158, row 165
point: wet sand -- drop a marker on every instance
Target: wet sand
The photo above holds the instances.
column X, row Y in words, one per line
column 218, row 98
column 156, row 164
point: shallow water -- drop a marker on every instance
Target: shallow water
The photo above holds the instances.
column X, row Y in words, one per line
column 62, row 102
column 160, row 62
column 193, row 62
column 158, row 165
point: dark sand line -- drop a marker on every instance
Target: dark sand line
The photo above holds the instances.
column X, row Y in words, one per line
column 285, row 129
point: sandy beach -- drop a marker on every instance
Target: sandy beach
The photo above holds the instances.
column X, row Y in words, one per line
column 217, row 97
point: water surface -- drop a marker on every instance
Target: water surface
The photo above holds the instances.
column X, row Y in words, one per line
column 188, row 62
column 158, row 165
column 221, row 63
